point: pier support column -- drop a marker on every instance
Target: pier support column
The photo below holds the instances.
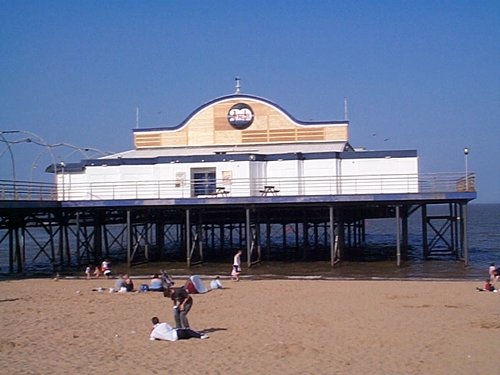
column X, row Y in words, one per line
column 160, row 235
column 332, row 238
column 19, row 258
column 98, row 255
column 268, row 239
column 188, row 238
column 465, row 243
column 129, row 239
column 404, row 234
column 11, row 250
column 340, row 232
column 425, row 243
column 249, row 237
column 398, row 237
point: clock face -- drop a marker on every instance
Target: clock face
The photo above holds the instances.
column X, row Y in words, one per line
column 240, row 116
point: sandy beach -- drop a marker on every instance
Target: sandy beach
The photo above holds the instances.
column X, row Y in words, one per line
column 255, row 327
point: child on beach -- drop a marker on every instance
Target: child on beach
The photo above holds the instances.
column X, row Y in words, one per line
column 215, row 283
column 235, row 273
column 87, row 272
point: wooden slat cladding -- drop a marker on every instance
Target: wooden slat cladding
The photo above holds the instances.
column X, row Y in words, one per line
column 161, row 139
column 200, row 131
column 283, row 135
column 220, row 116
column 337, row 133
column 178, row 138
column 147, row 140
column 254, row 136
column 210, row 126
column 311, row 134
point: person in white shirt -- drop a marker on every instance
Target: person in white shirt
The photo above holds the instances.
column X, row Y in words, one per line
column 163, row 331
column 105, row 268
column 156, row 284
column 235, row 273
column 87, row 272
column 493, row 271
column 215, row 283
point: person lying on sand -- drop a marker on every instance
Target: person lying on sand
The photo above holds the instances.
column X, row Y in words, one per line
column 163, row 331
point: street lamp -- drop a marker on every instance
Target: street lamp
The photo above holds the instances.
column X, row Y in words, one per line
column 12, row 161
column 62, row 177
column 33, row 138
column 466, row 154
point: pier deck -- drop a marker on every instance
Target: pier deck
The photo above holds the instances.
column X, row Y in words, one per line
column 72, row 233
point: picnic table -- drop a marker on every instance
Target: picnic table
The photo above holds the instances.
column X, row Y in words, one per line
column 269, row 190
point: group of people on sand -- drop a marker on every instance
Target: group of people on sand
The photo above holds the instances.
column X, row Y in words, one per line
column 182, row 304
column 490, row 282
column 180, row 297
column 124, row 283
column 103, row 269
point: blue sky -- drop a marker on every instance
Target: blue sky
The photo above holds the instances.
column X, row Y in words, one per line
column 421, row 75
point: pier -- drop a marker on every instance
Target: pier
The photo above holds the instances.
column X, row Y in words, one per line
column 239, row 173
column 69, row 234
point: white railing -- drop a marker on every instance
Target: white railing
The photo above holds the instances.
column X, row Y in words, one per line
column 24, row 190
column 305, row 186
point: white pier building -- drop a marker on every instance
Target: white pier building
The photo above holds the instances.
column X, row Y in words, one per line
column 240, row 146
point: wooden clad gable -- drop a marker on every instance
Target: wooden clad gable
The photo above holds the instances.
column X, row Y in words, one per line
column 210, row 126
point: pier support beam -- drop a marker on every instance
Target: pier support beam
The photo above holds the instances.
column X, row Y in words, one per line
column 129, row 239
column 398, row 237
column 249, row 237
column 465, row 240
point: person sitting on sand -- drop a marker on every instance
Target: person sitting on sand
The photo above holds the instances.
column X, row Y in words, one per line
column 215, row 283
column 97, row 272
column 488, row 287
column 106, row 270
column 128, row 283
column 163, row 331
column 155, row 285
column 119, row 283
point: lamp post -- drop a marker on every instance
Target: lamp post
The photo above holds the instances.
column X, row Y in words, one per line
column 466, row 155
column 12, row 161
column 33, row 138
column 62, row 177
